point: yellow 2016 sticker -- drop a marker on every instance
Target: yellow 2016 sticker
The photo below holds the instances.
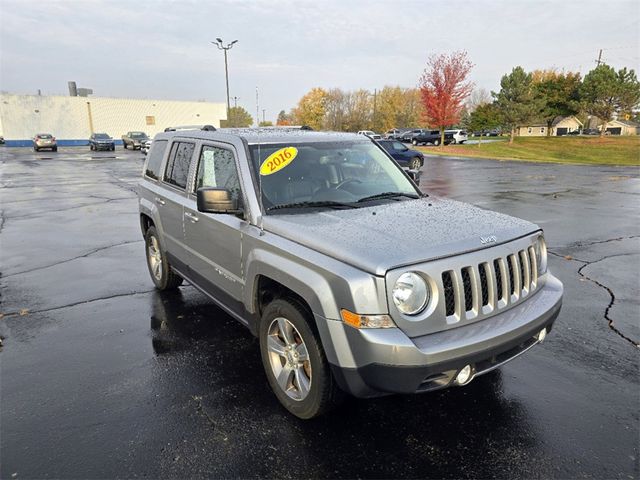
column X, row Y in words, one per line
column 278, row 160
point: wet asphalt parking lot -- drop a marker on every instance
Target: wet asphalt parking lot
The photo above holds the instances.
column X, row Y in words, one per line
column 101, row 376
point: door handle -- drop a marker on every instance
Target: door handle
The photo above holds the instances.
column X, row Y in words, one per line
column 190, row 215
column 159, row 201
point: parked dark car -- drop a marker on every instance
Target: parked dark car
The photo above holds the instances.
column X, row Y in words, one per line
column 403, row 155
column 101, row 141
column 45, row 140
column 591, row 131
column 408, row 135
column 494, row 132
column 431, row 136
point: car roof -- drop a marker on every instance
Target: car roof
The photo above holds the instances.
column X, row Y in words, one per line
column 254, row 136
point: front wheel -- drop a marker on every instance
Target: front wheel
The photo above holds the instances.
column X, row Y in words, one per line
column 54, row 149
column 160, row 270
column 414, row 142
column 125, row 145
column 415, row 163
column 294, row 360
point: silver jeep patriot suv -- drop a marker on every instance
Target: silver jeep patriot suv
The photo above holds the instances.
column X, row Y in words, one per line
column 352, row 279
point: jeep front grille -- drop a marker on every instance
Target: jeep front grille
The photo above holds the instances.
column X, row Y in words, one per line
column 483, row 288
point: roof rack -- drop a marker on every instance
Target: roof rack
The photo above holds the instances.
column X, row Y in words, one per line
column 206, row 128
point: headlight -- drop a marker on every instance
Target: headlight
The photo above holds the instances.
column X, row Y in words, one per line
column 540, row 248
column 410, row 293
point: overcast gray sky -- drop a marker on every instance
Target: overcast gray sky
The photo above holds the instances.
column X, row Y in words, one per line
column 160, row 49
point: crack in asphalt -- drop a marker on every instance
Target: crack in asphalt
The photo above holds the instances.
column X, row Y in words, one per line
column 91, row 252
column 25, row 312
column 612, row 295
column 41, row 214
column 597, row 242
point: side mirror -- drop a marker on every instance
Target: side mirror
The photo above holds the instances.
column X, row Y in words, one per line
column 216, row 200
column 413, row 175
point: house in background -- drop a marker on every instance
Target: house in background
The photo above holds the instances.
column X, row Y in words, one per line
column 560, row 126
column 623, row 127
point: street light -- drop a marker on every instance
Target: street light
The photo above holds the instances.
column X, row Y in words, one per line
column 220, row 44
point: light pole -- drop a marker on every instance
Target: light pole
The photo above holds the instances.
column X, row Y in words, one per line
column 220, row 44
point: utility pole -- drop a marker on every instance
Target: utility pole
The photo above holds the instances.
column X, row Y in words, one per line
column 220, row 44
column 263, row 115
column 599, row 61
column 375, row 98
column 257, row 109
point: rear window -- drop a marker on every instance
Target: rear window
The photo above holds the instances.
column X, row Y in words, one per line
column 44, row 135
column 178, row 164
column 156, row 154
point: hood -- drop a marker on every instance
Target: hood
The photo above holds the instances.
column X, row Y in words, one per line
column 382, row 237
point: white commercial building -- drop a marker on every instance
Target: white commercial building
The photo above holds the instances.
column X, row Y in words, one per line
column 72, row 119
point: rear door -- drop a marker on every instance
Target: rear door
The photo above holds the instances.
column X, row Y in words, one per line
column 172, row 198
column 214, row 241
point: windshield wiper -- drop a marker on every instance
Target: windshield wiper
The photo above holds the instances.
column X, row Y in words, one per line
column 388, row 195
column 324, row 203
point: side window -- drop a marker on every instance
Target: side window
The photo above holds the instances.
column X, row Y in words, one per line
column 156, row 154
column 178, row 164
column 217, row 168
column 398, row 146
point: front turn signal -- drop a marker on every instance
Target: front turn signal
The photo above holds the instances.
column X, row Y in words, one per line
column 366, row 321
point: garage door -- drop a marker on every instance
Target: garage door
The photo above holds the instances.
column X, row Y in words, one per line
column 561, row 131
column 615, row 131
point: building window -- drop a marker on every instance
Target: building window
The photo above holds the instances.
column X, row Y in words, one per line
column 541, row 129
column 150, row 119
column 529, row 130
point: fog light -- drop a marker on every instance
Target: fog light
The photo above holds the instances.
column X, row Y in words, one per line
column 542, row 335
column 465, row 375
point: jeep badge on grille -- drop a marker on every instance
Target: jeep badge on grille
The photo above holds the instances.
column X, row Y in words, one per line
column 489, row 239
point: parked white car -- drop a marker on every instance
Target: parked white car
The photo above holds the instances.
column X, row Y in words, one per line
column 370, row 134
column 459, row 136
column 145, row 146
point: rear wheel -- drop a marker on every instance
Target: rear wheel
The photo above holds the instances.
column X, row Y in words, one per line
column 294, row 360
column 453, row 141
column 436, row 142
column 54, row 149
column 414, row 142
column 160, row 270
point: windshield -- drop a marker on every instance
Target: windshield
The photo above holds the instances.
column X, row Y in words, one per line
column 102, row 136
column 138, row 135
column 328, row 172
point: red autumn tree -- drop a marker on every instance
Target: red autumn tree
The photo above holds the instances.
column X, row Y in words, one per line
column 443, row 88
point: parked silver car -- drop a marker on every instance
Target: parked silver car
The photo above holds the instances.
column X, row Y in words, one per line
column 45, row 141
column 352, row 279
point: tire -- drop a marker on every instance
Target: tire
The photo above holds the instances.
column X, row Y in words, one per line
column 436, row 142
column 286, row 332
column 414, row 142
column 453, row 141
column 125, row 145
column 36, row 149
column 415, row 163
column 158, row 264
column 54, row 149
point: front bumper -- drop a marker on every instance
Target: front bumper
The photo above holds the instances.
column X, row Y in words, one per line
column 104, row 146
column 372, row 362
